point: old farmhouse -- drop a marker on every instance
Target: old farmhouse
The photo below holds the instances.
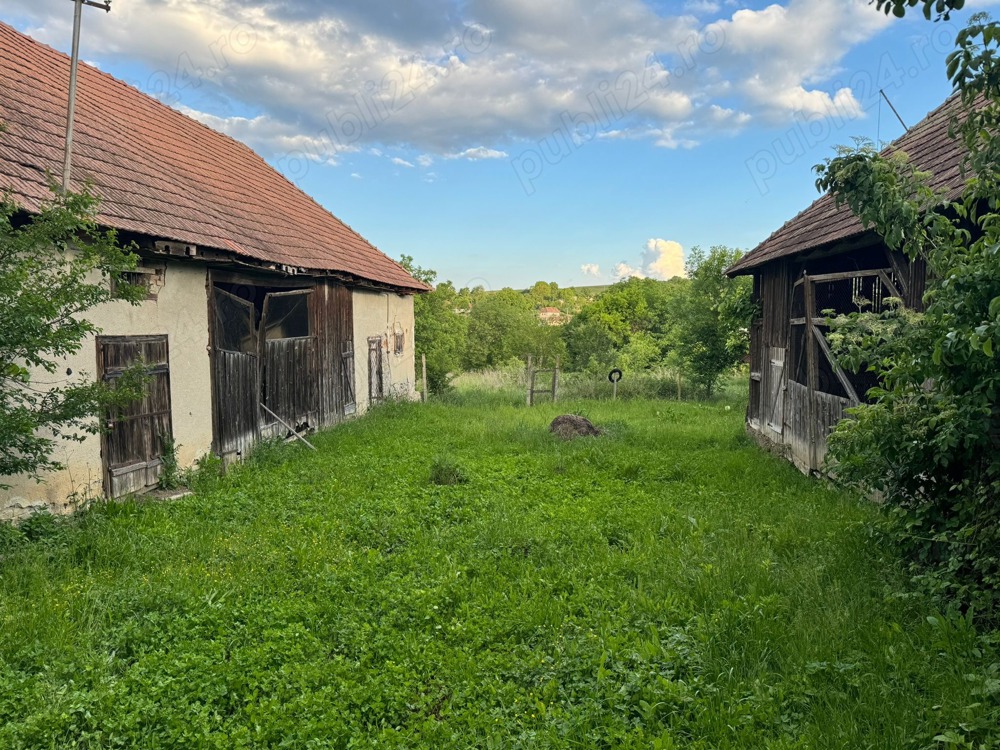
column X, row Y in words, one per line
column 256, row 294
column 823, row 260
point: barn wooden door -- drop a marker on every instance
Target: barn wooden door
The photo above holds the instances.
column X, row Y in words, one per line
column 235, row 375
column 288, row 352
column 132, row 443
column 347, row 377
column 376, row 383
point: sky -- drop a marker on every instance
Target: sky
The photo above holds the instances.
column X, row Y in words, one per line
column 501, row 142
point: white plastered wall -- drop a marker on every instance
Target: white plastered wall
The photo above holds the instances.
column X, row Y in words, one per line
column 181, row 312
column 381, row 314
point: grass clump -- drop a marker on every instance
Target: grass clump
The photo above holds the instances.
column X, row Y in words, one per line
column 666, row 586
column 445, row 471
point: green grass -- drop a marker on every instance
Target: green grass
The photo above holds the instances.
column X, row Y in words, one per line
column 664, row 586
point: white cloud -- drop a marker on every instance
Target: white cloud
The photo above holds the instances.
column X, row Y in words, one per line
column 624, row 271
column 312, row 80
column 478, row 153
column 425, row 160
column 401, row 162
column 591, row 269
column 663, row 259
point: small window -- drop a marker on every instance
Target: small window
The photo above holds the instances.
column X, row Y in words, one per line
column 399, row 339
column 151, row 279
column 286, row 315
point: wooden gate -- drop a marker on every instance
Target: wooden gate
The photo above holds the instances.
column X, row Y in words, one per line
column 235, row 376
column 376, row 383
column 132, row 443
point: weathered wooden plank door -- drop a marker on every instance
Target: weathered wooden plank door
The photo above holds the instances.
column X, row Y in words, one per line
column 132, row 443
column 775, row 405
column 347, row 377
column 376, row 383
column 288, row 350
column 235, row 375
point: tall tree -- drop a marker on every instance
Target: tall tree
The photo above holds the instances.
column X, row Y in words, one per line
column 712, row 333
column 440, row 329
column 503, row 326
column 55, row 267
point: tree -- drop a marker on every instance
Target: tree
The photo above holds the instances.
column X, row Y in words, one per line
column 440, row 331
column 628, row 325
column 929, row 440
column 503, row 326
column 55, row 266
column 712, row 334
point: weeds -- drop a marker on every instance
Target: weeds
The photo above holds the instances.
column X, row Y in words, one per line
column 170, row 473
column 668, row 586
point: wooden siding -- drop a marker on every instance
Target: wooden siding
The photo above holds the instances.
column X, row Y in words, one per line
column 807, row 426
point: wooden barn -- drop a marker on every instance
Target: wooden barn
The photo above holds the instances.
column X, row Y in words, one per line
column 823, row 260
column 263, row 309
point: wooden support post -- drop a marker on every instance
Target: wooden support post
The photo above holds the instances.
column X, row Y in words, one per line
column 837, row 370
column 423, row 367
column 555, row 382
column 812, row 384
column 531, row 381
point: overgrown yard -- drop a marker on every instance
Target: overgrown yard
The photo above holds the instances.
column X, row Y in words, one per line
column 665, row 585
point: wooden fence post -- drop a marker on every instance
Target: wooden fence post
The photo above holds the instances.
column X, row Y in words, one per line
column 423, row 366
column 555, row 382
column 531, row 381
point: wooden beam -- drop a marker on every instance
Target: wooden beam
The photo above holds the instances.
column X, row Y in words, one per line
column 852, row 395
column 822, row 278
column 889, row 285
column 900, row 268
column 812, row 379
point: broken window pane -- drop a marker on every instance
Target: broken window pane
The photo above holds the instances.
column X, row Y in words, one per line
column 234, row 323
column 286, row 315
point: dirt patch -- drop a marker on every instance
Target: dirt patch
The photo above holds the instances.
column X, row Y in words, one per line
column 569, row 426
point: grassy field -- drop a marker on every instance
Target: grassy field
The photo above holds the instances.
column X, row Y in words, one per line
column 666, row 585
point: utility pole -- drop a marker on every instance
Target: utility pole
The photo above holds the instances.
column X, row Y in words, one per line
column 74, row 63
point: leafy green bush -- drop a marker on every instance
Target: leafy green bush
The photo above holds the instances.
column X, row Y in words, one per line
column 929, row 443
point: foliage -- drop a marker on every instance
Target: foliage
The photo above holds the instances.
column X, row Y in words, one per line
column 55, row 267
column 440, row 331
column 713, row 327
column 930, row 439
column 170, row 473
column 629, row 325
column 663, row 587
column 937, row 9
column 503, row 326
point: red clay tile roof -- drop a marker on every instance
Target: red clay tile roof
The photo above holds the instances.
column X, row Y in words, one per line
column 929, row 148
column 160, row 173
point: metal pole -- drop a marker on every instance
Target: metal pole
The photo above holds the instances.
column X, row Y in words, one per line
column 74, row 63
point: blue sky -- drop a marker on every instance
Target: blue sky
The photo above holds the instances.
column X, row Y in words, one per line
column 505, row 141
